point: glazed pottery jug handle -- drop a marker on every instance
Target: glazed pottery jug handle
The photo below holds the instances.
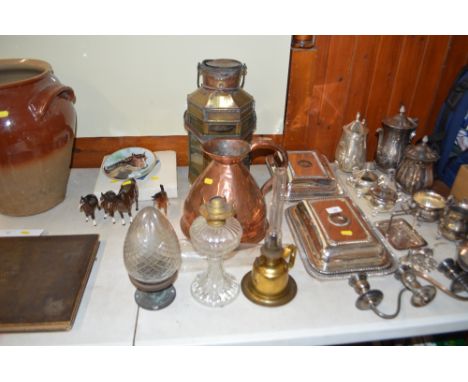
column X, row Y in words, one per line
column 268, row 145
column 40, row 103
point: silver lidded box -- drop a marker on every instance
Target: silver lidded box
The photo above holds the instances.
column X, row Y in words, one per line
column 309, row 175
column 335, row 240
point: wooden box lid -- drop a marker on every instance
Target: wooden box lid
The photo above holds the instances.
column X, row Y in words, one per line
column 42, row 280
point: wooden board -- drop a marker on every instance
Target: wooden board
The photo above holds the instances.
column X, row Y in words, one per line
column 89, row 152
column 42, row 280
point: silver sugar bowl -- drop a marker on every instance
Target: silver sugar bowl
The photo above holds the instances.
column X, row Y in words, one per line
column 454, row 223
column 416, row 171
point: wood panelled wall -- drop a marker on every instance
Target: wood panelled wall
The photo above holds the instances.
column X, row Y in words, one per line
column 329, row 83
column 341, row 75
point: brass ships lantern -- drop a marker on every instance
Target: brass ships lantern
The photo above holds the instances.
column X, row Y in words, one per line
column 219, row 108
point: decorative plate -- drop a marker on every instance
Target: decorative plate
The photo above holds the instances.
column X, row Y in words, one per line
column 129, row 162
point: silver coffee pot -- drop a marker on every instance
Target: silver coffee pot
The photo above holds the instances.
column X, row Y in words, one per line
column 351, row 150
column 395, row 135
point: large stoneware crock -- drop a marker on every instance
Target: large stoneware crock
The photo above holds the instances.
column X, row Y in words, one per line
column 37, row 131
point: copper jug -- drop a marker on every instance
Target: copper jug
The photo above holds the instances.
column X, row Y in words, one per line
column 227, row 176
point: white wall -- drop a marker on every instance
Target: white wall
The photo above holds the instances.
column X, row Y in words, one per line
column 137, row 85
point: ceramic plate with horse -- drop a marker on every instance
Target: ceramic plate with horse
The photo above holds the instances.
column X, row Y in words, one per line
column 130, row 162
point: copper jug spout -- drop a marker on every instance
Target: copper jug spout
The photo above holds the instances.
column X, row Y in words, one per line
column 227, row 176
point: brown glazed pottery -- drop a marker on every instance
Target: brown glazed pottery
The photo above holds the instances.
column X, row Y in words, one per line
column 227, row 176
column 37, row 131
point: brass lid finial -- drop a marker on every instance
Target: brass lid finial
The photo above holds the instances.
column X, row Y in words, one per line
column 216, row 211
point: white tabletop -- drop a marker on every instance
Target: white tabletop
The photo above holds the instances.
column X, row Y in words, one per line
column 323, row 312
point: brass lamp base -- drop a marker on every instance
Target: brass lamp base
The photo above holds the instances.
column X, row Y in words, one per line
column 278, row 299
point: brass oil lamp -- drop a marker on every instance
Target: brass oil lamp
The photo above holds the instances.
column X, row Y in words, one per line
column 219, row 108
column 269, row 282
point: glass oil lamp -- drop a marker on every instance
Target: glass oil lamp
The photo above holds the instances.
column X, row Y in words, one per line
column 269, row 282
column 152, row 258
column 215, row 234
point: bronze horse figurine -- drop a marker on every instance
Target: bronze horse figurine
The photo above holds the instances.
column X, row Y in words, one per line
column 88, row 205
column 121, row 202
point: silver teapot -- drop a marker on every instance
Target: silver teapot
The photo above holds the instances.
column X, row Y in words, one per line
column 416, row 171
column 351, row 150
column 395, row 135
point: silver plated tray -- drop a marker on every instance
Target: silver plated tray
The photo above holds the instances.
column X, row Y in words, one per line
column 335, row 240
column 401, row 235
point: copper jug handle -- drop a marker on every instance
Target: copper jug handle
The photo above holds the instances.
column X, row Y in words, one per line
column 40, row 103
column 279, row 152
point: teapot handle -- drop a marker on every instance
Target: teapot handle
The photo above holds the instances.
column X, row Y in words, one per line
column 414, row 121
column 280, row 153
column 380, row 134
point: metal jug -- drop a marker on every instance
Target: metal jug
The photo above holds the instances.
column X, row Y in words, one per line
column 416, row 171
column 395, row 135
column 227, row 176
column 351, row 151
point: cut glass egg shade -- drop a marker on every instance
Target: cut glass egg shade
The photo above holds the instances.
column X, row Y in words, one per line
column 151, row 254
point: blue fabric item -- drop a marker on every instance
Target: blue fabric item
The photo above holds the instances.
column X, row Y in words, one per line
column 451, row 119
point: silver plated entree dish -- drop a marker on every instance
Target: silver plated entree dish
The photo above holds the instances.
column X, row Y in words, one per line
column 309, row 175
column 335, row 240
